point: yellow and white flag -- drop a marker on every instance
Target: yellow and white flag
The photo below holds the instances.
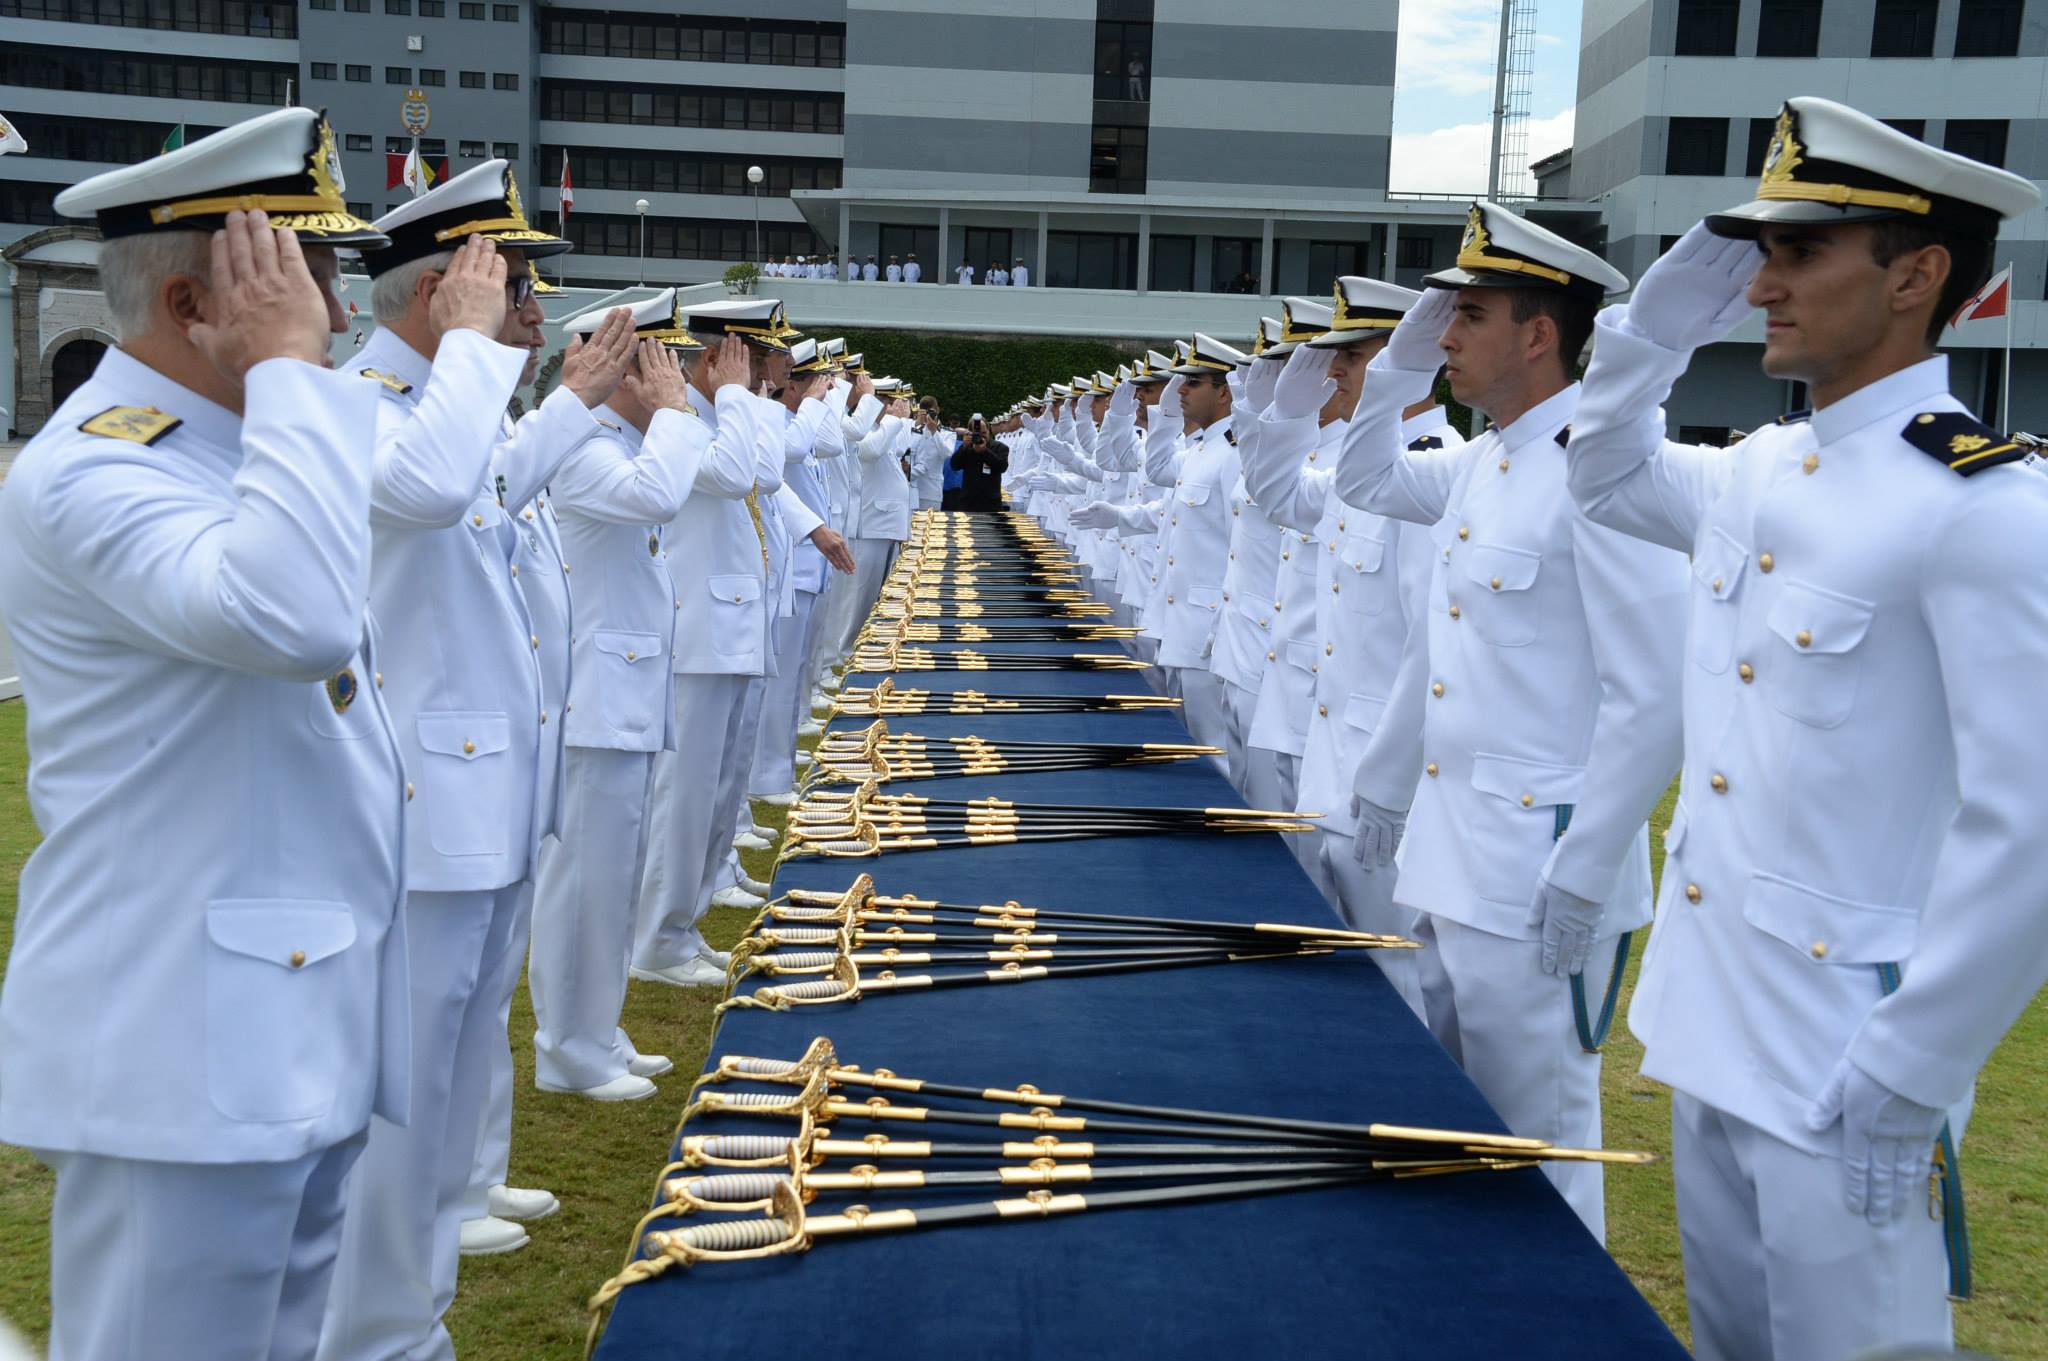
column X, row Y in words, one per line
column 10, row 137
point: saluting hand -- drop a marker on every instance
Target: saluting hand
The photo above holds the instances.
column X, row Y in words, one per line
column 471, row 292
column 1169, row 397
column 1697, row 292
column 1304, row 383
column 862, row 387
column 731, row 366
column 658, row 382
column 265, row 302
column 592, row 367
column 1415, row 345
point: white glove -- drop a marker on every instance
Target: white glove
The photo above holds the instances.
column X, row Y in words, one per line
column 1696, row 292
column 1094, row 515
column 1169, row 398
column 1257, row 393
column 1304, row 385
column 1568, row 923
column 1887, row 1142
column 1378, row 835
column 1415, row 346
column 1124, row 401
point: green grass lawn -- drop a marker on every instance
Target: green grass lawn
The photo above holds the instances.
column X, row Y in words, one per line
column 601, row 1160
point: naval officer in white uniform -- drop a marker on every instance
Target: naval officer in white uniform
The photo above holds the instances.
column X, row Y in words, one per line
column 1851, row 912
column 1555, row 644
column 205, row 1000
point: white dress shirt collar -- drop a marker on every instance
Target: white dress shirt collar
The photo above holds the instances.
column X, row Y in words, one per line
column 1542, row 420
column 1914, row 388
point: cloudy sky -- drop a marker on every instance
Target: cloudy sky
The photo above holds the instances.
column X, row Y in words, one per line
column 1443, row 90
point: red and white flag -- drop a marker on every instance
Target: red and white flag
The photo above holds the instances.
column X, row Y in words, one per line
column 568, row 190
column 1991, row 300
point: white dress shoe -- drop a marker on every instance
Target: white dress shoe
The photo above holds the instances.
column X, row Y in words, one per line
column 650, row 1065
column 749, row 841
column 783, row 799
column 811, row 727
column 491, row 1236
column 768, row 832
column 735, row 896
column 803, row 762
column 625, row 1087
column 833, row 683
column 518, row 1202
column 754, row 886
column 693, row 973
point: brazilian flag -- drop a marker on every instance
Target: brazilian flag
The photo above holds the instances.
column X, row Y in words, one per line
column 175, row 140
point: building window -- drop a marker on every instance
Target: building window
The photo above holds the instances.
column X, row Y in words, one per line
column 1234, row 264
column 468, row 9
column 430, row 75
column 1173, row 264
column 504, row 80
column 1415, row 251
column 688, row 106
column 1989, row 28
column 361, row 73
column 986, row 246
column 356, row 6
column 361, row 210
column 323, row 70
column 61, row 138
column 1123, row 60
column 30, row 203
column 505, row 14
column 1116, row 161
column 251, row 18
column 398, row 75
column 433, row 9
column 319, row 4
column 472, row 150
column 398, row 6
column 1760, row 130
column 1788, row 28
column 628, row 33
column 357, row 141
column 429, row 146
column 672, row 238
column 472, row 80
column 1903, row 28
column 1915, row 128
column 686, row 172
column 505, row 151
column 1706, row 28
column 90, row 71
column 1981, row 139
column 1697, row 146
column 1091, row 260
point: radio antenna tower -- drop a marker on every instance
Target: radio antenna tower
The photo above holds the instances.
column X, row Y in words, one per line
column 1508, row 170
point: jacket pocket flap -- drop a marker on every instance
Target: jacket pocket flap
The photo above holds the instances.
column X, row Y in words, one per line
column 1301, row 655
column 1503, row 569
column 1510, row 777
column 1363, row 712
column 1195, row 493
column 1362, row 552
column 1719, row 565
column 632, row 647
column 1207, row 597
column 1829, row 930
column 738, row 588
column 1813, row 620
column 465, row 734
column 288, row 932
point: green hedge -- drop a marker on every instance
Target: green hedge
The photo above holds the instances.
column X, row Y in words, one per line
column 969, row 374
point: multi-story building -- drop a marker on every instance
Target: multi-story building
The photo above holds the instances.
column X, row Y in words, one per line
column 1676, row 101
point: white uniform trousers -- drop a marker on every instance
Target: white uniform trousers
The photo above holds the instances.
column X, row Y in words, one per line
column 1306, row 846
column 872, row 559
column 1509, row 1025
column 396, row 1274
column 583, row 917
column 1777, row 1268
column 1204, row 709
column 194, row 1261
column 735, row 765
column 785, row 701
column 1239, row 754
column 687, row 831
column 833, row 602
column 494, row 1127
column 1365, row 900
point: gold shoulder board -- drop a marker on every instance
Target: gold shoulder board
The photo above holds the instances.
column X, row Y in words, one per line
column 391, row 381
column 137, row 424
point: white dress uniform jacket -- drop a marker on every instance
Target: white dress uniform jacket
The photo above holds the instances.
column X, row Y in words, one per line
column 1859, row 775
column 208, row 963
column 1556, row 643
column 884, row 490
column 1198, row 548
column 718, row 563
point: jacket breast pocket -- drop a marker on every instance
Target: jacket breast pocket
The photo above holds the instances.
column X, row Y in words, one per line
column 735, row 601
column 1717, row 588
column 1206, row 597
column 290, row 1006
column 1514, row 822
column 1359, row 574
column 1194, row 493
column 634, row 673
column 465, row 781
column 1813, row 672
column 1505, row 611
column 1363, row 712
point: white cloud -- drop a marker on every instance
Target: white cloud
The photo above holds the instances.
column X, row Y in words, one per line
column 1453, row 160
column 1448, row 46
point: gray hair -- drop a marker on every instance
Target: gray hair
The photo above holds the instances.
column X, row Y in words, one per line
column 391, row 292
column 133, row 270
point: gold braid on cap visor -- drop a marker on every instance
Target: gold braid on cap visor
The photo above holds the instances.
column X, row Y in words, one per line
column 500, row 229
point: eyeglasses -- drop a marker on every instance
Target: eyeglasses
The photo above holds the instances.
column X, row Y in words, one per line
column 518, row 291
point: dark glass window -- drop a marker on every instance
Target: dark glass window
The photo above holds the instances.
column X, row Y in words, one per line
column 1697, row 146
column 247, row 18
column 65, row 138
column 685, row 172
column 470, row 10
column 1912, row 127
column 505, row 80
column 1760, row 130
column 430, row 76
column 1234, row 264
column 1415, row 251
column 685, row 106
column 1123, row 60
column 689, row 37
column 505, row 14
column 433, row 9
column 1091, row 260
column 1328, row 259
column 1788, row 28
column 398, row 75
column 1903, row 28
column 681, row 238
column 1173, row 264
column 1706, row 28
column 986, row 245
column 323, row 70
column 472, row 80
column 473, row 150
column 1989, row 28
column 356, row 72
column 30, row 203
column 357, row 141
column 398, row 6
column 1116, row 161
column 1981, row 139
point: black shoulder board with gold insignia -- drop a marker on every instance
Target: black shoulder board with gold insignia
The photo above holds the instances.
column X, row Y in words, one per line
column 1230, row 435
column 1960, row 440
column 1427, row 442
column 1564, row 437
column 391, row 381
column 136, row 424
column 1795, row 417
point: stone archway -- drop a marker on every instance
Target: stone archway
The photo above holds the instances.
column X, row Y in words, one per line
column 56, row 302
column 70, row 363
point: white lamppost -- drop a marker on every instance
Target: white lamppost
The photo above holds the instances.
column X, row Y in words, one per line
column 755, row 174
column 640, row 207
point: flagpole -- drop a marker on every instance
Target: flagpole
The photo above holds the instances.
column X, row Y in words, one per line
column 2005, row 385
